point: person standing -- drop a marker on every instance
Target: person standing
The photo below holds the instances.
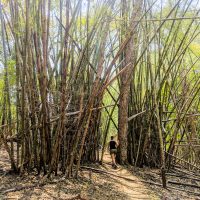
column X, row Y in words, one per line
column 113, row 151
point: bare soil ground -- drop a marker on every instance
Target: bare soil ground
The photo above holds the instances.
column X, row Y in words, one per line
column 127, row 183
column 182, row 184
column 90, row 185
column 119, row 184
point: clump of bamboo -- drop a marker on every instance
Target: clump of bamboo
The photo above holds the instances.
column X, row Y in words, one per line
column 69, row 57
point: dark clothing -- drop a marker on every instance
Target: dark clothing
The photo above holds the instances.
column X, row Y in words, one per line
column 113, row 145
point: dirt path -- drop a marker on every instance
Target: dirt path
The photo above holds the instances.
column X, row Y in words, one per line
column 89, row 186
column 133, row 188
column 95, row 182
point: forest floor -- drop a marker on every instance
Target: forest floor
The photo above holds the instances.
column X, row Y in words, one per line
column 95, row 182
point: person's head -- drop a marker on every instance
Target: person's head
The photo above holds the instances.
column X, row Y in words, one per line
column 111, row 137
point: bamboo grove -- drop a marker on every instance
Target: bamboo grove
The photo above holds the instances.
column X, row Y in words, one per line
column 73, row 72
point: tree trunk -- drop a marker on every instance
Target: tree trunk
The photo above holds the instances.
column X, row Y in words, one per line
column 129, row 57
